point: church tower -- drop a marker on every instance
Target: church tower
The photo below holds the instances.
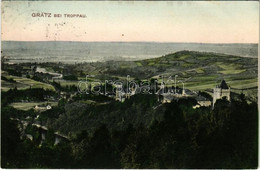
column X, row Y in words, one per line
column 222, row 90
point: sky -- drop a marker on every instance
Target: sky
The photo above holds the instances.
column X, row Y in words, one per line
column 200, row 22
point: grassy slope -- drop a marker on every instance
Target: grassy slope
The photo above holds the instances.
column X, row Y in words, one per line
column 205, row 69
column 30, row 105
column 23, row 83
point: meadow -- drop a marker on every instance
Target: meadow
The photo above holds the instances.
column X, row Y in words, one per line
column 22, row 83
column 30, row 105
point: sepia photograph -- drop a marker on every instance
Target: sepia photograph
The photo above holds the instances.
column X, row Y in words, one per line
column 129, row 84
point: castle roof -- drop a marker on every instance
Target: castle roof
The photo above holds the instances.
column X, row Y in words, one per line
column 223, row 85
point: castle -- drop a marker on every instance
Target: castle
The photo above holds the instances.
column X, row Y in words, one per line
column 166, row 95
column 222, row 90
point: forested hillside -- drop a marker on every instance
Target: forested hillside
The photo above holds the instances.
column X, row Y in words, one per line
column 173, row 136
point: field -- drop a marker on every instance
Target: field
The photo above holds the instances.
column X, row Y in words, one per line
column 22, row 83
column 203, row 70
column 30, row 105
column 64, row 83
column 231, row 68
column 198, row 70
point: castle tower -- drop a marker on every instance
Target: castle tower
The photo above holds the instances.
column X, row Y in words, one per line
column 183, row 92
column 120, row 94
column 222, row 90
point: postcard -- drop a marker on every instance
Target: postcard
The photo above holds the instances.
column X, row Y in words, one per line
column 129, row 84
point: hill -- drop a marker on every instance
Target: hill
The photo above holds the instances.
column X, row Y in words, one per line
column 204, row 69
column 79, row 52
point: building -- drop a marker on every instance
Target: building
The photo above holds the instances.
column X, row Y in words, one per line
column 120, row 93
column 166, row 98
column 125, row 93
column 42, row 107
column 166, row 94
column 222, row 90
column 202, row 102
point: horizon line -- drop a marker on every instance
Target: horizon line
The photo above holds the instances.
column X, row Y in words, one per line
column 138, row 42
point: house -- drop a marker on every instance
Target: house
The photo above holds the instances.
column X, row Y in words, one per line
column 42, row 107
column 48, row 107
column 126, row 93
column 110, row 94
column 166, row 95
column 167, row 98
column 202, row 101
column 120, row 94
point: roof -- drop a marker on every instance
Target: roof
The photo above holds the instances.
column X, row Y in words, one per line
column 170, row 90
column 223, row 85
column 168, row 97
column 189, row 92
column 201, row 98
